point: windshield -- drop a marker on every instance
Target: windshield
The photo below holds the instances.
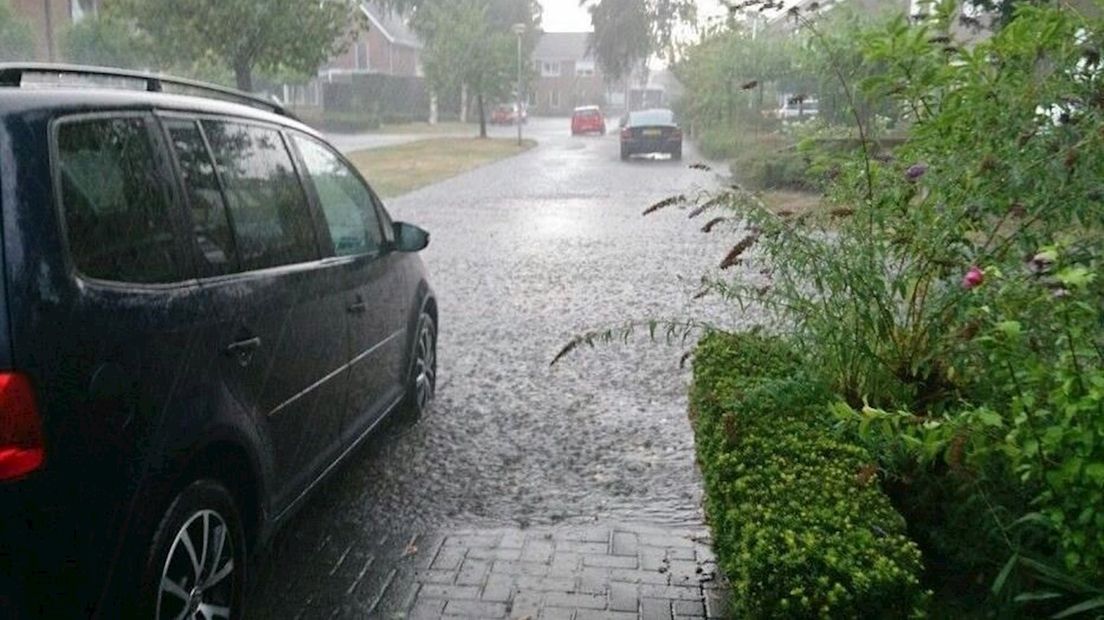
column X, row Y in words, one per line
column 611, row 309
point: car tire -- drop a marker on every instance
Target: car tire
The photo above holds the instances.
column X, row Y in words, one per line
column 676, row 154
column 625, row 154
column 421, row 384
column 202, row 520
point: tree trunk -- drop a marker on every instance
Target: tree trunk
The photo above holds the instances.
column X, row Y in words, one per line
column 433, row 113
column 483, row 118
column 463, row 103
column 243, row 75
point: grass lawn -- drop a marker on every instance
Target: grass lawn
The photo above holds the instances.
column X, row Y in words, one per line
column 396, row 170
column 443, row 128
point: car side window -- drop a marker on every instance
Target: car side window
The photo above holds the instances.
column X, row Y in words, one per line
column 116, row 201
column 209, row 219
column 346, row 203
column 267, row 205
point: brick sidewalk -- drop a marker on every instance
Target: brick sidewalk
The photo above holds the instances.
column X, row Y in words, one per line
column 570, row 572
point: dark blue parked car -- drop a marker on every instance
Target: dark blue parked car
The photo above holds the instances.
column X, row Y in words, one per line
column 203, row 308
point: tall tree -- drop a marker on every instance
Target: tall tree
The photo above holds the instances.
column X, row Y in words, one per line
column 108, row 41
column 466, row 47
column 246, row 35
column 15, row 35
column 628, row 32
column 470, row 45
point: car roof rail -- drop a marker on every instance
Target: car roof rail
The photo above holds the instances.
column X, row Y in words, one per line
column 11, row 75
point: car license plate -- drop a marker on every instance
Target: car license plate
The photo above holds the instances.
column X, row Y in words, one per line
column 652, row 133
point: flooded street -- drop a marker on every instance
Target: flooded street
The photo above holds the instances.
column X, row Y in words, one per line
column 525, row 254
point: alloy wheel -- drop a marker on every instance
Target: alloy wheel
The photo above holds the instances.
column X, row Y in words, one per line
column 425, row 366
column 197, row 581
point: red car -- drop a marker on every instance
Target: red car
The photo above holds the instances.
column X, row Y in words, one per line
column 507, row 114
column 588, row 119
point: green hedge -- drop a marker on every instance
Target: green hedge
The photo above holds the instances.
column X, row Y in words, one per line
column 800, row 525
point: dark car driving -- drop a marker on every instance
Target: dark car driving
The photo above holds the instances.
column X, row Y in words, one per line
column 650, row 131
column 203, row 308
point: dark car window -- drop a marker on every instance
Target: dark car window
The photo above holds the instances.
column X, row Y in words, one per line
column 272, row 222
column 652, row 117
column 116, row 201
column 346, row 202
column 210, row 224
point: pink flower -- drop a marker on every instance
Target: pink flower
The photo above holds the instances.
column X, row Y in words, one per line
column 973, row 278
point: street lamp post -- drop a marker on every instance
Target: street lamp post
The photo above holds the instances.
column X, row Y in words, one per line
column 519, row 30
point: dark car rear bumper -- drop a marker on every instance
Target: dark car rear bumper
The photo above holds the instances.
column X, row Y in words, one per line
column 659, row 145
column 54, row 552
column 30, row 550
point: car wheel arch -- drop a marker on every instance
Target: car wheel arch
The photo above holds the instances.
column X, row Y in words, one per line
column 229, row 462
column 426, row 305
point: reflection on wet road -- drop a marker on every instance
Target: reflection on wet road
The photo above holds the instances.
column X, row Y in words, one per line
column 526, row 253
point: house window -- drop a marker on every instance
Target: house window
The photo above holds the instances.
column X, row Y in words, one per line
column 584, row 68
column 550, row 69
column 554, row 99
column 363, row 61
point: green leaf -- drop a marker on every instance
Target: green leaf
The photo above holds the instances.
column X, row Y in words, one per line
column 1075, row 277
column 1095, row 472
column 1089, row 605
column 1028, row 597
column 1057, row 577
column 998, row 583
column 989, row 417
column 1031, row 517
column 1012, row 329
column 1048, row 254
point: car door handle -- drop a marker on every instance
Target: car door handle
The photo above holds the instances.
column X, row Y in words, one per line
column 358, row 306
column 243, row 350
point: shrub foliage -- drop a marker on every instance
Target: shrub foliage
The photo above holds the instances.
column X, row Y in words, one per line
column 801, row 526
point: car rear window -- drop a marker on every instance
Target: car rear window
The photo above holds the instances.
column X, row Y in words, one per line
column 116, row 202
column 652, row 117
column 268, row 206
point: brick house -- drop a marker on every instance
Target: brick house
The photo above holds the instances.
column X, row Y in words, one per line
column 566, row 74
column 49, row 19
column 387, row 47
column 381, row 69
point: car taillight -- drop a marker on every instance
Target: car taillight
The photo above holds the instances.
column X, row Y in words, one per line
column 677, row 134
column 626, row 133
column 21, row 445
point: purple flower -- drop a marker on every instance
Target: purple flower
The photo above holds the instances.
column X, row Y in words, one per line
column 973, row 278
column 916, row 171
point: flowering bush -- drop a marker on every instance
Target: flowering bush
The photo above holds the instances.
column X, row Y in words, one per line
column 950, row 298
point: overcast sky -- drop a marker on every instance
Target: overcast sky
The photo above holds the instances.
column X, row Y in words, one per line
column 568, row 16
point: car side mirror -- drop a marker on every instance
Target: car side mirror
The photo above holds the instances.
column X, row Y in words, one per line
column 409, row 238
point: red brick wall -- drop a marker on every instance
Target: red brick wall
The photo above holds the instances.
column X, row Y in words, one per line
column 571, row 91
column 383, row 57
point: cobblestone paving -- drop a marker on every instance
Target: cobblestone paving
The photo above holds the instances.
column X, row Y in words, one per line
column 609, row 572
column 567, row 467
